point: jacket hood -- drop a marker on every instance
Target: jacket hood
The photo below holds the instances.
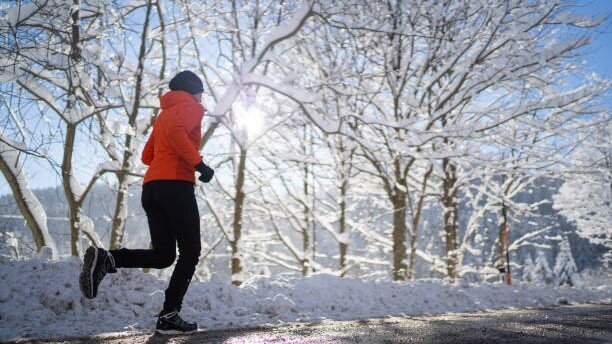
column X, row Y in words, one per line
column 173, row 98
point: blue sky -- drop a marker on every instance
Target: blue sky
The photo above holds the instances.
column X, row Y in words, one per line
column 599, row 53
column 598, row 57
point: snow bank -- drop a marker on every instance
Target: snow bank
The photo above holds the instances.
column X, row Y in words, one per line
column 40, row 298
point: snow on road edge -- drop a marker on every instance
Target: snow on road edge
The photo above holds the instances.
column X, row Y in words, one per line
column 40, row 298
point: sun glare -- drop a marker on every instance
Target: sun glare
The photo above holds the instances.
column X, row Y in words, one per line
column 249, row 118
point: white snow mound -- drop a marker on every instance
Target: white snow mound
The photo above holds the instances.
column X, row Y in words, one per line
column 40, row 298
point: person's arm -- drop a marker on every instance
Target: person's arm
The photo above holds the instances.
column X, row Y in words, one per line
column 147, row 152
column 178, row 134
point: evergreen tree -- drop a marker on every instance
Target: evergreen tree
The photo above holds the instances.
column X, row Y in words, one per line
column 565, row 270
column 528, row 268
column 540, row 272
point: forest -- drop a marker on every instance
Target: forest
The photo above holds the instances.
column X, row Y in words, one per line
column 379, row 140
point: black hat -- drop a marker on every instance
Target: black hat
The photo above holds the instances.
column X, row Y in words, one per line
column 187, row 81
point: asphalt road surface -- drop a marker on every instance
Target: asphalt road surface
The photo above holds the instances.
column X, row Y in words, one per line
column 565, row 324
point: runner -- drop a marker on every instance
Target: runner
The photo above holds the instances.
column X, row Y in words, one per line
column 169, row 201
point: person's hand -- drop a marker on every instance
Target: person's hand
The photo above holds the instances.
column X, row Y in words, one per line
column 206, row 173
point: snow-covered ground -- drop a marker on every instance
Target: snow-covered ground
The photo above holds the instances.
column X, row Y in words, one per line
column 40, row 298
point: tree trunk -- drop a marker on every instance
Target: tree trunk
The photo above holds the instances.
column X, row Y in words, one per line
column 69, row 192
column 449, row 205
column 306, row 249
column 307, row 240
column 416, row 218
column 399, row 235
column 67, row 177
column 120, row 214
column 237, row 225
column 29, row 206
column 342, row 229
column 75, row 49
column 503, row 243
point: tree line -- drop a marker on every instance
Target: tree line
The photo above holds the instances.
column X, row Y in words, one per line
column 349, row 118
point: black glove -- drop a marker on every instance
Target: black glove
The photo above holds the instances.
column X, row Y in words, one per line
column 206, row 173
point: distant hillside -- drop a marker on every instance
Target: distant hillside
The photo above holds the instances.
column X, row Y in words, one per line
column 100, row 205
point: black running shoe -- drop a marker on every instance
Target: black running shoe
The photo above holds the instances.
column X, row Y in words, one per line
column 172, row 323
column 96, row 263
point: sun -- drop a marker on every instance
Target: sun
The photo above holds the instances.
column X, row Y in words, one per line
column 249, row 119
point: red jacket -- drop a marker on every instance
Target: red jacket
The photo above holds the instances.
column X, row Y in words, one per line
column 172, row 150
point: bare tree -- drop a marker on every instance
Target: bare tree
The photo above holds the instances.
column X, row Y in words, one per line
column 244, row 54
column 11, row 165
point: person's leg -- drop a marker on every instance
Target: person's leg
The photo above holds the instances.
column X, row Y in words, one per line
column 162, row 235
column 97, row 262
column 181, row 210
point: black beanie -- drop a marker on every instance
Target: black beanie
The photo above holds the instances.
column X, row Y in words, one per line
column 187, row 81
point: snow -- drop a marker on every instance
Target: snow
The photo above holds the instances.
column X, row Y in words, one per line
column 585, row 197
column 40, row 298
column 565, row 267
column 86, row 226
column 7, row 77
column 77, row 188
column 10, row 156
column 344, row 238
column 107, row 166
column 20, row 12
column 226, row 101
column 279, row 33
column 496, row 87
column 296, row 93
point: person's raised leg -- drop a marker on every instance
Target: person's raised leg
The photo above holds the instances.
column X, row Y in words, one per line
column 163, row 239
column 98, row 261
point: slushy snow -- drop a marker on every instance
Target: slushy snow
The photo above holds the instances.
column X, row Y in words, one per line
column 40, row 298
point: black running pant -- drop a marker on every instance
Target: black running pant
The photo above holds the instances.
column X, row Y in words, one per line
column 173, row 218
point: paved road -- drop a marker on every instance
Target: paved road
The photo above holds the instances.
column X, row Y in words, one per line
column 565, row 324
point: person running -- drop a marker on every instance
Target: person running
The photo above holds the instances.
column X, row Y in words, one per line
column 168, row 199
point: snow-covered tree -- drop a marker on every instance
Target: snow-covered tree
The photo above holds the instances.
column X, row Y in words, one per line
column 448, row 77
column 565, row 271
column 130, row 124
column 407, row 132
column 243, row 89
column 55, row 65
column 11, row 166
column 528, row 269
column 540, row 272
column 585, row 198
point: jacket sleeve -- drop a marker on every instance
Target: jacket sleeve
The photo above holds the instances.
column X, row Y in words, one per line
column 147, row 152
column 178, row 133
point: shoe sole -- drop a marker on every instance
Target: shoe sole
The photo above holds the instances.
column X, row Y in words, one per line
column 86, row 281
column 175, row 332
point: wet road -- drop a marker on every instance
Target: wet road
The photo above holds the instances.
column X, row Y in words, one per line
column 565, row 324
